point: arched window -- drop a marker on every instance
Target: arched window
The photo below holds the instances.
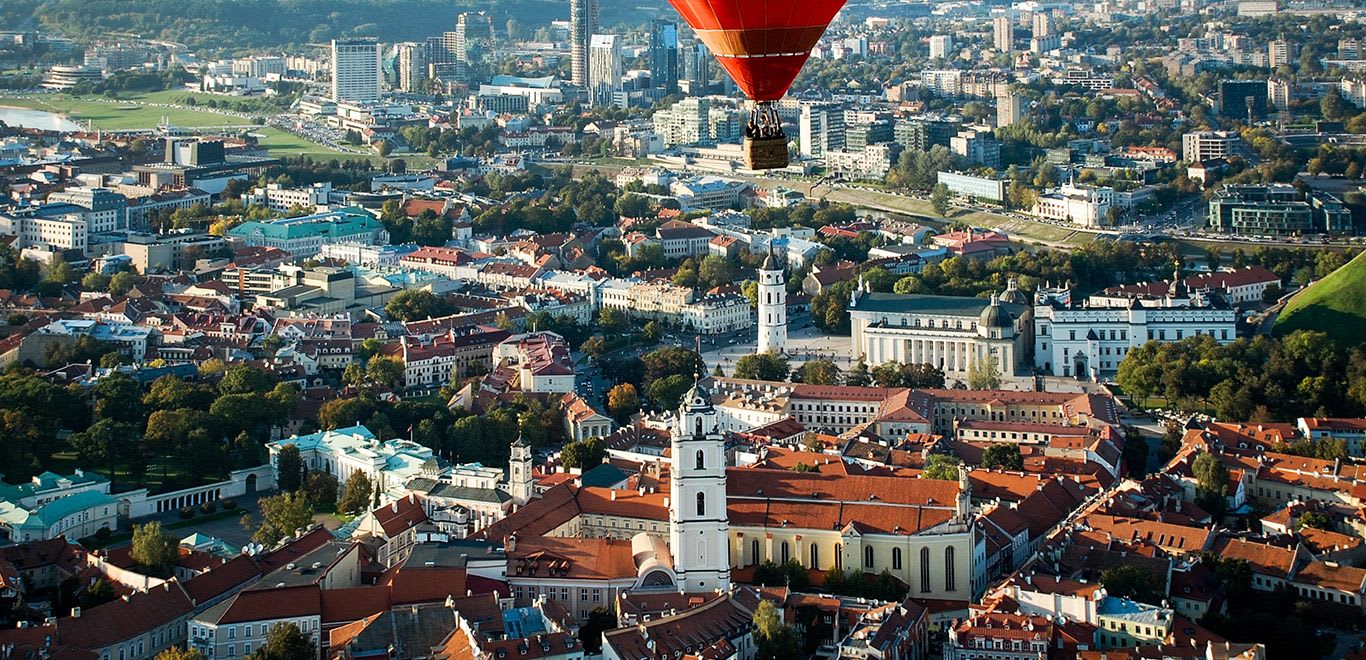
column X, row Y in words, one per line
column 948, row 569
column 896, row 559
column 699, row 426
column 701, row 504
column 786, row 553
column 815, row 556
column 754, row 551
column 868, row 556
column 924, row 570
column 700, row 462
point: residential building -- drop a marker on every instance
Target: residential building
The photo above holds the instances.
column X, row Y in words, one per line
column 941, row 46
column 1208, row 145
column 410, row 64
column 103, row 210
column 1009, row 109
column 1003, row 33
column 280, row 199
column 870, row 163
column 978, row 147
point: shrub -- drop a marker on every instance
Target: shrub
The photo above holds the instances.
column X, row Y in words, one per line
column 208, row 507
column 229, row 505
column 187, row 512
column 103, row 533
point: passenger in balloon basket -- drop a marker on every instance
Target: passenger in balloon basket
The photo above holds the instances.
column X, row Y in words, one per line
column 765, row 142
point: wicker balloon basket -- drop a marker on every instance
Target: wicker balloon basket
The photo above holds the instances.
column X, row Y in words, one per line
column 768, row 153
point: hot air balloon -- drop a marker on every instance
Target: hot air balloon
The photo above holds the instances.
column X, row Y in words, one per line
column 762, row 44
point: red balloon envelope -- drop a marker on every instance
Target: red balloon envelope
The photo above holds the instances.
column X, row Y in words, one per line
column 761, row 43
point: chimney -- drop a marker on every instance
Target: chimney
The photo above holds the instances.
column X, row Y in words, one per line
column 76, row 612
column 393, row 506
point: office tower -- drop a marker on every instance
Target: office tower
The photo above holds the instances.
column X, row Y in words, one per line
column 940, row 45
column 410, row 65
column 473, row 36
column 355, row 70
column 583, row 21
column 604, row 69
column 1004, row 32
column 1009, row 109
column 821, row 129
column 664, row 54
column 698, row 71
column 1244, row 100
column 1043, row 25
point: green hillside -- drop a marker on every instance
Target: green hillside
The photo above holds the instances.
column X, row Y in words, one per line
column 1335, row 305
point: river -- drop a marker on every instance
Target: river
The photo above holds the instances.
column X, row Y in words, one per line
column 47, row 121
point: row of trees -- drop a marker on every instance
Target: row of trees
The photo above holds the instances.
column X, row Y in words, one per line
column 1260, row 379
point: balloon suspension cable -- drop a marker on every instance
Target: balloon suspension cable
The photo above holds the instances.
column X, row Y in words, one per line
column 764, row 122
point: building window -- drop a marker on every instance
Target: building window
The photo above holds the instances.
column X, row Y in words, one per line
column 868, row 557
column 754, row 551
column 700, row 462
column 896, row 559
column 924, row 570
column 815, row 556
column 701, row 504
column 948, row 569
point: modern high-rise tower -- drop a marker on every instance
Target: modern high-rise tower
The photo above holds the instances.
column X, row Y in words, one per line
column 664, row 54
column 355, row 70
column 772, row 306
column 604, row 69
column 583, row 22
column 473, row 36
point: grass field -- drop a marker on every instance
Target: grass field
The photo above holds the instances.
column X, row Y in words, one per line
column 122, row 114
column 1335, row 304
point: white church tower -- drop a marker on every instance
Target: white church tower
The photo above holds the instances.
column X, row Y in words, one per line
column 772, row 306
column 699, row 534
column 519, row 472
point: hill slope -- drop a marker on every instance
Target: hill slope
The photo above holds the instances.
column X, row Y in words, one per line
column 1335, row 305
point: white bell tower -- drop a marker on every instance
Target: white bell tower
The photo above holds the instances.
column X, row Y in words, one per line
column 772, row 306
column 699, row 533
column 519, row 472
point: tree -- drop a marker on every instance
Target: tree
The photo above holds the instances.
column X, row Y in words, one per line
column 177, row 653
column 941, row 466
column 1132, row 582
column 611, row 320
column 1316, row 520
column 1211, row 481
column 245, row 379
column 321, row 489
column 622, row 402
column 984, row 374
column 119, row 398
column 385, row 372
column 1135, row 452
column 773, row 639
column 121, row 283
column 95, row 281
column 819, row 372
column 356, row 495
column 1004, row 456
column 289, row 468
column 668, row 391
column 858, row 375
column 939, row 199
column 762, row 366
column 108, row 444
column 600, row 620
column 416, row 305
column 281, row 515
column 583, row 454
column 151, row 547
column 286, row 642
